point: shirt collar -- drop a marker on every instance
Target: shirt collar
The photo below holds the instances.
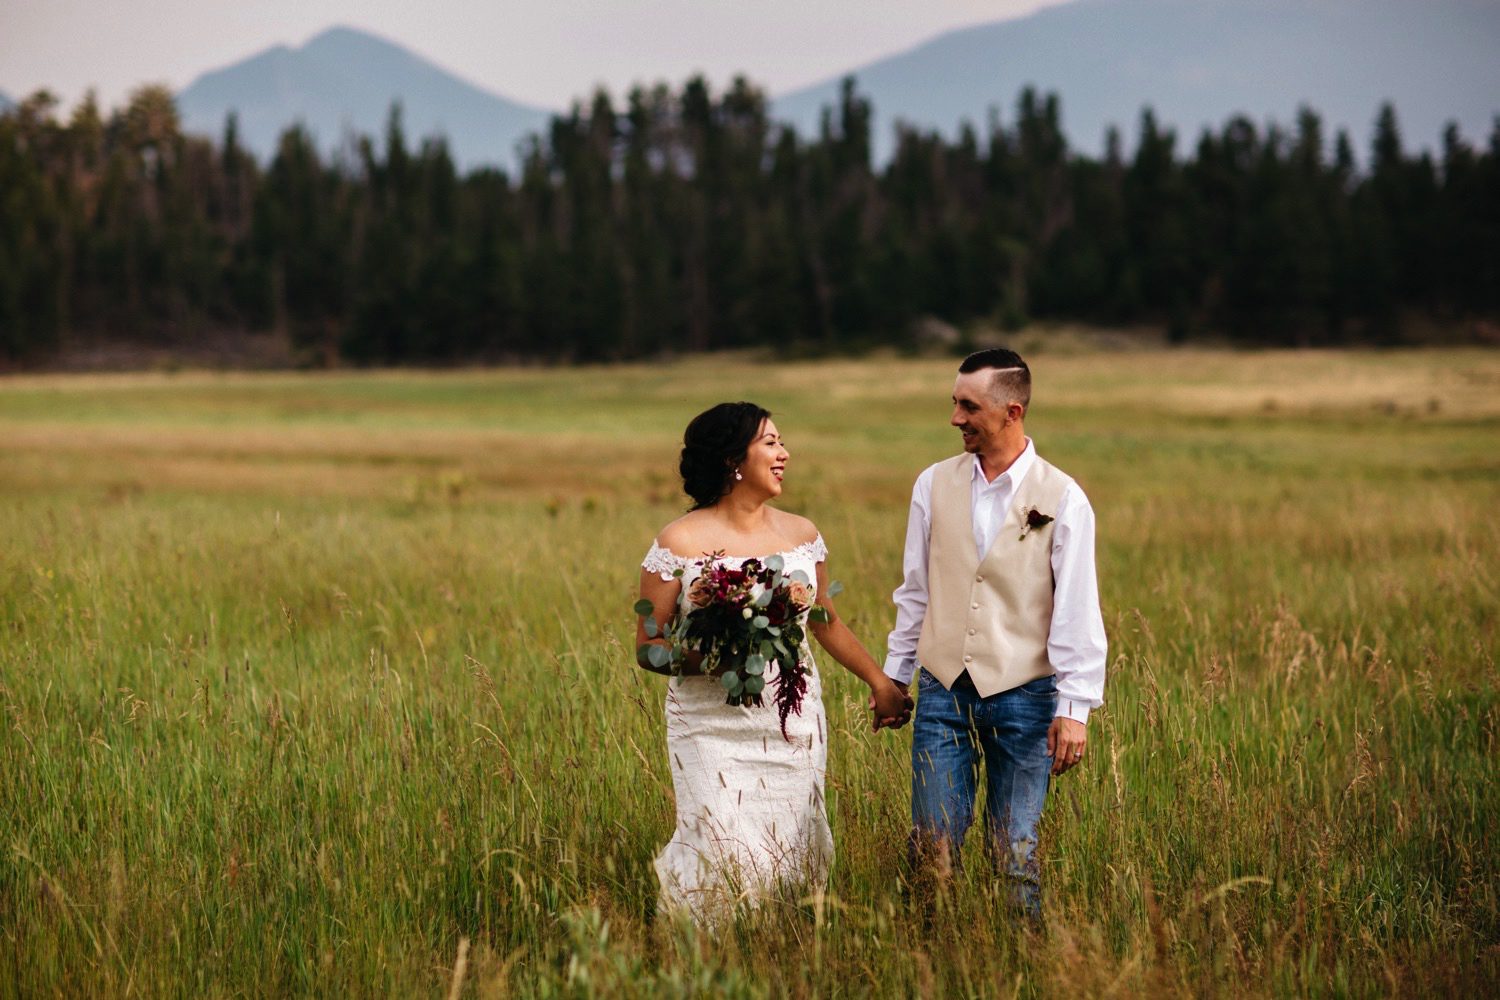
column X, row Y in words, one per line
column 1015, row 475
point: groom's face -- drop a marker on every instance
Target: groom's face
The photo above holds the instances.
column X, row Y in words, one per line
column 979, row 417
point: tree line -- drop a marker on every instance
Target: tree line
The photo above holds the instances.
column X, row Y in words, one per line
column 689, row 220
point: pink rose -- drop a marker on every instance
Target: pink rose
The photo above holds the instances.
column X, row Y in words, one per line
column 800, row 593
column 701, row 593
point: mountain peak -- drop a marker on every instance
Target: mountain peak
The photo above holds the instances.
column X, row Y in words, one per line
column 342, row 38
column 1196, row 64
column 342, row 82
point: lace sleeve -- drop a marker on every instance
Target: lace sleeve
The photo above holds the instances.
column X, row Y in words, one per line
column 663, row 562
column 818, row 549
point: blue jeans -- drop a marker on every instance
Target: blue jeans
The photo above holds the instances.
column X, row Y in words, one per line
column 949, row 731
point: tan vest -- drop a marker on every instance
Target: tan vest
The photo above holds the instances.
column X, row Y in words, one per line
column 989, row 616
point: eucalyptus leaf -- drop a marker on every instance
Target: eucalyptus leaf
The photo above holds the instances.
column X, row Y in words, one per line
column 819, row 614
column 774, row 630
column 644, row 607
column 760, row 621
column 755, row 665
column 800, row 576
column 775, row 564
column 835, row 589
column 652, row 629
column 764, row 598
column 766, row 649
column 658, row 656
column 755, row 685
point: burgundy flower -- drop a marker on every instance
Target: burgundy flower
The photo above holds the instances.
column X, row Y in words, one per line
column 1035, row 519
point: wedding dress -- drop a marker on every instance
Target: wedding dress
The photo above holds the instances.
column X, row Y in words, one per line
column 750, row 812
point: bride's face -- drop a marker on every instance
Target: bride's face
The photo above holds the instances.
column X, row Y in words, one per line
column 765, row 461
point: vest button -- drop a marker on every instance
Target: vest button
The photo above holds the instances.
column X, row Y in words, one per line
column 974, row 606
column 979, row 579
column 968, row 659
column 971, row 631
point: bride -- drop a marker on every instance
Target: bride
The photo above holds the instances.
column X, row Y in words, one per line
column 750, row 811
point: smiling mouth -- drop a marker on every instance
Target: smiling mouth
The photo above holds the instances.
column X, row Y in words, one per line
column 778, row 471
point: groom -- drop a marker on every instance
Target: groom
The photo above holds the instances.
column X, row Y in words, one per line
column 998, row 615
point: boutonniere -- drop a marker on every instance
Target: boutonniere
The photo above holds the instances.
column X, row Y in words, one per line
column 1034, row 519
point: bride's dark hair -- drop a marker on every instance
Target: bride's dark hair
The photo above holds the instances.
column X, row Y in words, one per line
column 713, row 444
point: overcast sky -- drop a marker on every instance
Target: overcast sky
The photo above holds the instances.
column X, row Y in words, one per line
column 544, row 52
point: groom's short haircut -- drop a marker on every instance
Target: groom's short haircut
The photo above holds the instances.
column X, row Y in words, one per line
column 1012, row 379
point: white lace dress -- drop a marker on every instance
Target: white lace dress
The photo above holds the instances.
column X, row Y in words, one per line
column 750, row 811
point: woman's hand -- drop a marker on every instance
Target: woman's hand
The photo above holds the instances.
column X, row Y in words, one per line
column 890, row 704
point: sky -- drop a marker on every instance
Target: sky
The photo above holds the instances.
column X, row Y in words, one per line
column 542, row 52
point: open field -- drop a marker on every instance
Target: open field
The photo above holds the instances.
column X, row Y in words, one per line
column 308, row 678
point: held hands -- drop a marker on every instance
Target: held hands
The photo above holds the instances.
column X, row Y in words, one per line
column 890, row 705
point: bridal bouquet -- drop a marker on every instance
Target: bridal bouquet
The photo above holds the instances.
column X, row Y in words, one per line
column 743, row 621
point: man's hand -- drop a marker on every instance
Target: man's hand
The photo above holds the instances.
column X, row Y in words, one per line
column 898, row 716
column 1065, row 740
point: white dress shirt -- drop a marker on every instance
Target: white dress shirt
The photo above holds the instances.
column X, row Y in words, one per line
column 1075, row 643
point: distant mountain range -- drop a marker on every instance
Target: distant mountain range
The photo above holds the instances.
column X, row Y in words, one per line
column 1195, row 62
column 343, row 82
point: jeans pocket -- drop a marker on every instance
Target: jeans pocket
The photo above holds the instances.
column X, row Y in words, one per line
column 1042, row 687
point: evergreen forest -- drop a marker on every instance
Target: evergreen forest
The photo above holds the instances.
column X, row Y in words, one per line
column 689, row 220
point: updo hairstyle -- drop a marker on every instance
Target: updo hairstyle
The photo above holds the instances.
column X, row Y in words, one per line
column 713, row 444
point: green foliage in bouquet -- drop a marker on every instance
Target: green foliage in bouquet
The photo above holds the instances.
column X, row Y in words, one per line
column 743, row 621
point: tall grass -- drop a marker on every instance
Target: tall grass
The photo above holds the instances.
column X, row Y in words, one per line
column 318, row 684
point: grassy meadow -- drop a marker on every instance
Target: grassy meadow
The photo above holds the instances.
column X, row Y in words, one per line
column 319, row 684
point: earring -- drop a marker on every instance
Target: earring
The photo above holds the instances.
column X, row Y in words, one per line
column 737, row 476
